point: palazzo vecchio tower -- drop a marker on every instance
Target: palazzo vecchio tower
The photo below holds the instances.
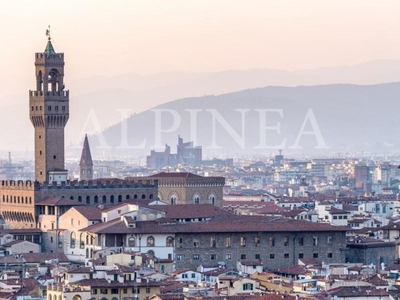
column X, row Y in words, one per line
column 49, row 113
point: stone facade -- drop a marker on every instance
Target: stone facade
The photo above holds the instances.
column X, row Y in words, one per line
column 188, row 188
column 371, row 253
column 275, row 249
column 18, row 203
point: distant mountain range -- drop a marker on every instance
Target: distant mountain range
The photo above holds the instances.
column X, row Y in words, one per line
column 98, row 103
column 313, row 119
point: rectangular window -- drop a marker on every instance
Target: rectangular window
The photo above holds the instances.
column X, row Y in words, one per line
column 301, row 241
column 49, row 108
column 329, row 240
column 179, row 257
column 247, row 286
column 257, row 241
column 104, row 291
column 180, row 242
column 125, row 291
column 56, row 108
column 193, row 275
column 285, row 241
column 228, row 242
column 228, row 256
column 329, row 255
column 147, row 290
column 301, row 255
column 315, row 241
column 94, row 291
column 286, row 255
column 114, row 291
column 315, row 255
column 257, row 256
column 272, row 256
column 196, row 256
column 335, row 217
column 243, row 256
column 136, row 290
column 213, row 256
column 63, row 108
column 195, row 243
column 184, row 276
column 243, row 241
column 271, row 241
column 213, row 242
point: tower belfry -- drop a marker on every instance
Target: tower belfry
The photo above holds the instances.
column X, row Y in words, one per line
column 49, row 113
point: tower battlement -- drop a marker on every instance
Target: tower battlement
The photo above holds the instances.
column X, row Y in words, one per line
column 40, row 57
column 30, row 185
column 18, row 184
column 98, row 184
column 50, row 94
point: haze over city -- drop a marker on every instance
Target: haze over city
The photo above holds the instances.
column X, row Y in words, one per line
column 199, row 150
column 137, row 55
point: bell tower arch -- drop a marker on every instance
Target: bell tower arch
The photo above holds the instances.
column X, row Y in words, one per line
column 49, row 113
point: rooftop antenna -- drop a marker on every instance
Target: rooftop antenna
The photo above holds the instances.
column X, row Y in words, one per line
column 48, row 33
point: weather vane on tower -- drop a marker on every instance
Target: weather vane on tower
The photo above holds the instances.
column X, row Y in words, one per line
column 48, row 33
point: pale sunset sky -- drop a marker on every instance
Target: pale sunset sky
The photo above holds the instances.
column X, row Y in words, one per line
column 105, row 37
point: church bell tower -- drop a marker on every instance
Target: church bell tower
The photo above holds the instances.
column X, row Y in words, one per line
column 49, row 113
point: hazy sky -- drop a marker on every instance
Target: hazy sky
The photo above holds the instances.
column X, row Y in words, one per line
column 115, row 37
column 103, row 37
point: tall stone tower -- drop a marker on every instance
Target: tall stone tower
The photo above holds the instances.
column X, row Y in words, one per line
column 49, row 113
column 86, row 163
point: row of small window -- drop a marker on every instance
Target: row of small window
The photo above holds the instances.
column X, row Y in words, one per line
column 111, row 198
column 257, row 241
column 256, row 256
column 39, row 108
column 169, row 242
column 17, row 199
column 72, row 239
column 104, row 291
column 196, row 199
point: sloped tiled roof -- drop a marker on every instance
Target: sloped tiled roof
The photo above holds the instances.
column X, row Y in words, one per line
column 92, row 213
column 220, row 223
column 59, row 201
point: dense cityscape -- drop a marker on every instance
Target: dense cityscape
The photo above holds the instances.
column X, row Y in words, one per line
column 265, row 190
column 182, row 227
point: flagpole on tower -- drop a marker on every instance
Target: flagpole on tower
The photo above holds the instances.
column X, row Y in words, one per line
column 48, row 33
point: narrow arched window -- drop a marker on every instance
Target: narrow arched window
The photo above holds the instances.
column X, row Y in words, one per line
column 150, row 241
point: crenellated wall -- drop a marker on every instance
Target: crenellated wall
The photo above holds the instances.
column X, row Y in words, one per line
column 18, row 198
